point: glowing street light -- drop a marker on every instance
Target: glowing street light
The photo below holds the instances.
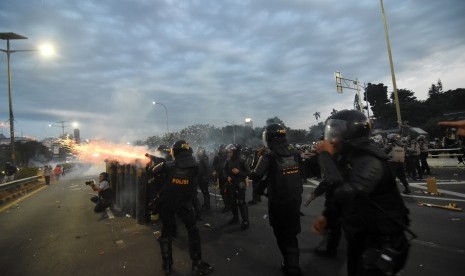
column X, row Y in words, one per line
column 166, row 113
column 12, row 36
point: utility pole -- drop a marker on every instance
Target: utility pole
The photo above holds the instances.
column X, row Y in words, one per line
column 391, row 64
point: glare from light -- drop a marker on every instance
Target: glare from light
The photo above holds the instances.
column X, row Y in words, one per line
column 154, row 103
column 248, row 120
column 75, row 124
column 47, row 50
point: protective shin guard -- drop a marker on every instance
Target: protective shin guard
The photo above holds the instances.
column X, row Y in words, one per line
column 244, row 215
column 166, row 254
column 292, row 267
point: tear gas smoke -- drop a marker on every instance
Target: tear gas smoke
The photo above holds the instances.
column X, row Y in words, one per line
column 98, row 152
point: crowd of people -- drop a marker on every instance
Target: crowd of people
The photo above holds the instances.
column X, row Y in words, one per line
column 356, row 174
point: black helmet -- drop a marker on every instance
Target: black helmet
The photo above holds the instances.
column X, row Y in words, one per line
column 164, row 148
column 230, row 147
column 222, row 148
column 421, row 138
column 180, row 146
column 274, row 133
column 346, row 125
column 393, row 137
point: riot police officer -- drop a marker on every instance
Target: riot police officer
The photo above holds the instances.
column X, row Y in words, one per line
column 218, row 174
column 154, row 181
column 203, row 176
column 280, row 162
column 395, row 150
column 176, row 199
column 424, row 152
column 236, row 169
column 364, row 192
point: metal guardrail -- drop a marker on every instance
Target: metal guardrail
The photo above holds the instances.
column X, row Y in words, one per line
column 18, row 182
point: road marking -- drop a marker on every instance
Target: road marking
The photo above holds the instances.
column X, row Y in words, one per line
column 22, row 198
column 443, row 182
column 435, row 198
column 439, row 190
column 433, row 245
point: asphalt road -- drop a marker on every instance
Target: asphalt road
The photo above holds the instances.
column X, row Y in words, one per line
column 55, row 232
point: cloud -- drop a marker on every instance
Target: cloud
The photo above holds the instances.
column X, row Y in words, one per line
column 215, row 61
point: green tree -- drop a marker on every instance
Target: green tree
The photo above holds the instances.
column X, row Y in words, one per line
column 316, row 131
column 435, row 89
column 32, row 151
column 274, row 120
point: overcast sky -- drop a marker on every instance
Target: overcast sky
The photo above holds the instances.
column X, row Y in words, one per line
column 211, row 61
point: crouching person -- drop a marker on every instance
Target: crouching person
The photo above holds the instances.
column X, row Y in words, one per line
column 105, row 194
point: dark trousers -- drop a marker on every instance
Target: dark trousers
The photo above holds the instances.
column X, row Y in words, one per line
column 424, row 162
column 236, row 194
column 397, row 169
column 100, row 204
column 414, row 166
column 285, row 221
column 47, row 179
column 203, row 185
column 187, row 215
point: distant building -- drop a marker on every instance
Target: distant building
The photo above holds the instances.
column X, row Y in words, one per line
column 77, row 136
column 248, row 122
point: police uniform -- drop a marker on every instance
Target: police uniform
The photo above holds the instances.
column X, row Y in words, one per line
column 284, row 188
column 236, row 187
column 218, row 167
column 176, row 199
column 396, row 158
column 203, row 176
column 366, row 197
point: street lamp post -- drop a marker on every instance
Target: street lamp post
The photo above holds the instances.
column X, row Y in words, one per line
column 8, row 37
column 166, row 113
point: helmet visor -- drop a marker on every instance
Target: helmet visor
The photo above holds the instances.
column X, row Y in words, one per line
column 335, row 129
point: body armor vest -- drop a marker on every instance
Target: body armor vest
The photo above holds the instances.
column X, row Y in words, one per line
column 288, row 179
column 397, row 154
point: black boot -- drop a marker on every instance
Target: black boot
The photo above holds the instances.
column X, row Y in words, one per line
column 166, row 255
column 235, row 213
column 407, row 190
column 201, row 268
column 244, row 215
column 291, row 265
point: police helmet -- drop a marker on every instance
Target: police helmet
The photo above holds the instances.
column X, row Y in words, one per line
column 222, row 148
column 274, row 133
column 346, row 125
column 231, row 147
column 421, row 138
column 180, row 146
column 393, row 137
column 164, row 148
